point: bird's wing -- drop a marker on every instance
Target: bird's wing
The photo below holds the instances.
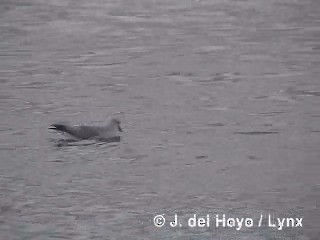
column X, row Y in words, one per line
column 85, row 132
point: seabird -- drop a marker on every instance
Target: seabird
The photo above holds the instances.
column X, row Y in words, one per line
column 110, row 131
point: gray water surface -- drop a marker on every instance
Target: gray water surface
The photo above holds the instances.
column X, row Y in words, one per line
column 219, row 101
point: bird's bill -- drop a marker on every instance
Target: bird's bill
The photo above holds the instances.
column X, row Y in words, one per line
column 120, row 129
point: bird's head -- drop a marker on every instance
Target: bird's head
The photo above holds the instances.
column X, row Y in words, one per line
column 116, row 122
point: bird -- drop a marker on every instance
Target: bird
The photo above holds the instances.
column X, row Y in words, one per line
column 110, row 131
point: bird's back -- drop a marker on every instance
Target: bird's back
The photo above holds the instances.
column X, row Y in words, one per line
column 86, row 132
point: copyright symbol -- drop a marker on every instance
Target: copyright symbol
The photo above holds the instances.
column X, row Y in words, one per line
column 159, row 221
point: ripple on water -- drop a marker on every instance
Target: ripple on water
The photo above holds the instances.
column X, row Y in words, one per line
column 254, row 133
column 222, row 78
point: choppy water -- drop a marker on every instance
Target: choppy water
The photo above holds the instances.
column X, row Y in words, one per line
column 219, row 102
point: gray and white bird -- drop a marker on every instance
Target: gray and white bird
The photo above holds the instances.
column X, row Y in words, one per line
column 109, row 131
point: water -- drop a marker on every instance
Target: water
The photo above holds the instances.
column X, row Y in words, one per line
column 219, row 101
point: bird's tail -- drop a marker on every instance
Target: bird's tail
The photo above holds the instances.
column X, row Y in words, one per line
column 59, row 127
